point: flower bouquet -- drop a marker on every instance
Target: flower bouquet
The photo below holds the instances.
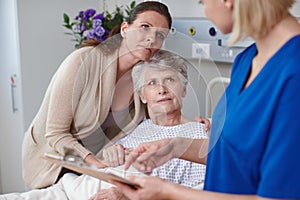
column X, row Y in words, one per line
column 90, row 25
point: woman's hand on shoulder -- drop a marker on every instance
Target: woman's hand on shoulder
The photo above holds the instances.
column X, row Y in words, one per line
column 204, row 121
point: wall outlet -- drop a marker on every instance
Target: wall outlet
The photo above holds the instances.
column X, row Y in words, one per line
column 201, row 50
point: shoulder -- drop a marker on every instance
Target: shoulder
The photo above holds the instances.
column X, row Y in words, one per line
column 144, row 125
column 83, row 53
column 75, row 59
column 290, row 55
column 89, row 59
column 196, row 128
column 192, row 130
column 142, row 128
column 79, row 53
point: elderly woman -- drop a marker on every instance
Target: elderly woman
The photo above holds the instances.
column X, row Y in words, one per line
column 161, row 84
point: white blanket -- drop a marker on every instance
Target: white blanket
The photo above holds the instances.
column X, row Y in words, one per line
column 70, row 186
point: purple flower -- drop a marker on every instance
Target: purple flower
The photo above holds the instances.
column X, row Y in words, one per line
column 96, row 23
column 103, row 37
column 82, row 27
column 97, row 26
column 91, row 34
column 99, row 31
column 80, row 15
column 100, row 39
column 90, row 25
column 89, row 13
column 99, row 16
column 76, row 28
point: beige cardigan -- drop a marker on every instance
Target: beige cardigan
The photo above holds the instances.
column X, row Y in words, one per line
column 76, row 103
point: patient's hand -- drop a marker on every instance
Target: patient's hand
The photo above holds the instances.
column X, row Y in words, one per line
column 111, row 194
column 91, row 159
column 114, row 155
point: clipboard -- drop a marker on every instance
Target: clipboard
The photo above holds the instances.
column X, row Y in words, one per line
column 75, row 163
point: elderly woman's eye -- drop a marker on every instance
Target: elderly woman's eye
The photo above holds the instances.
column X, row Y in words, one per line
column 170, row 79
column 145, row 26
column 151, row 82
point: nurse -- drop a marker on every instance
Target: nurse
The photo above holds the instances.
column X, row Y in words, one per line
column 254, row 144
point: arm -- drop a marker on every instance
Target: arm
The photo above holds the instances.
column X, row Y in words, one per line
column 167, row 190
column 64, row 98
column 150, row 155
column 194, row 150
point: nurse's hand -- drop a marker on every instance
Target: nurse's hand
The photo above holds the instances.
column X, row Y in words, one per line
column 150, row 155
column 151, row 188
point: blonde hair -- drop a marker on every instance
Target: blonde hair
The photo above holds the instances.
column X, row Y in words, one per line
column 257, row 17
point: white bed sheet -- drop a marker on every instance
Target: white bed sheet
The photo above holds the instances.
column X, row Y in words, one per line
column 70, row 186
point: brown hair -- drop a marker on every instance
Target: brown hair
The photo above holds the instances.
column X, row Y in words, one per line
column 150, row 6
column 114, row 39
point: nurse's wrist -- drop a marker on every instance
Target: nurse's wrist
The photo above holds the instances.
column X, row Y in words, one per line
column 177, row 146
column 168, row 190
column 180, row 145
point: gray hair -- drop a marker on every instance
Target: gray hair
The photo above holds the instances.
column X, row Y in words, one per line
column 161, row 60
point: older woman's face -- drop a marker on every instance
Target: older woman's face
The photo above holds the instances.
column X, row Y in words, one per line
column 145, row 35
column 162, row 90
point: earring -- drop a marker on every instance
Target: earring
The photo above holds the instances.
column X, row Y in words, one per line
column 123, row 34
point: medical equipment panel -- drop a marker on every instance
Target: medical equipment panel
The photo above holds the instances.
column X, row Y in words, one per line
column 195, row 38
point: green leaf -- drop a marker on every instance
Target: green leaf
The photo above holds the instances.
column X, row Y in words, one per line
column 66, row 18
column 129, row 9
column 68, row 26
column 132, row 5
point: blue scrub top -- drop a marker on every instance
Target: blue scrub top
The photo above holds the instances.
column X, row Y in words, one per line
column 255, row 134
